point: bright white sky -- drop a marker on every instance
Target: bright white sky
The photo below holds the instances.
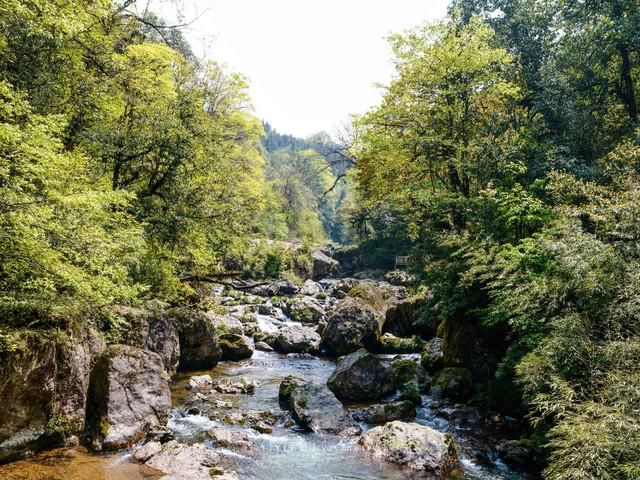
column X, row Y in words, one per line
column 310, row 63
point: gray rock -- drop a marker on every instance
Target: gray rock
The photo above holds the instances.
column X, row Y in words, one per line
column 287, row 287
column 235, row 347
column 225, row 323
column 316, row 408
column 342, row 287
column 305, row 310
column 454, row 383
column 323, row 264
column 152, row 330
column 128, row 394
column 412, row 446
column 518, row 454
column 400, row 317
column 310, row 288
column 193, row 462
column 352, row 325
column 297, row 339
column 263, row 347
column 399, row 278
column 146, row 451
column 199, row 349
column 42, row 386
column 279, row 287
column 228, row 438
column 200, row 383
column 267, row 309
column 386, row 412
column 432, row 358
column 360, row 376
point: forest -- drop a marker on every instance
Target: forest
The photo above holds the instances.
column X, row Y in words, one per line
column 503, row 160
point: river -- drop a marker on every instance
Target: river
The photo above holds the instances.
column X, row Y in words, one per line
column 285, row 453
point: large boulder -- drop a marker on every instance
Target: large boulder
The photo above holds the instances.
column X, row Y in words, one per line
column 405, row 370
column 310, row 288
column 128, row 395
column 399, row 278
column 323, row 265
column 305, row 310
column 379, row 297
column 225, row 323
column 400, row 318
column 454, row 383
column 235, row 347
column 279, row 287
column 359, row 376
column 297, row 339
column 357, row 320
column 518, row 454
column 351, row 326
column 386, row 412
column 391, row 344
column 199, row 349
column 432, row 358
column 413, row 446
column 181, row 461
column 314, row 407
column 43, row 390
column 341, row 288
column 152, row 330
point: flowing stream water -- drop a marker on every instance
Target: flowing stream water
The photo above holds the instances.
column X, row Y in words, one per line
column 286, row 452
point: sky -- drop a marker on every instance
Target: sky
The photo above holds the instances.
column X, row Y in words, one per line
column 310, row 64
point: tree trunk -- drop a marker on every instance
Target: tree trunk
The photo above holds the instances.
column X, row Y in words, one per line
column 628, row 94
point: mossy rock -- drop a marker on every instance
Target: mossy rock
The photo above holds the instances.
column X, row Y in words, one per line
column 454, row 383
column 403, row 371
column 392, row 344
column 371, row 295
column 432, row 358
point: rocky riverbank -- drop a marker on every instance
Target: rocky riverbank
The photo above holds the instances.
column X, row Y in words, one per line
column 335, row 368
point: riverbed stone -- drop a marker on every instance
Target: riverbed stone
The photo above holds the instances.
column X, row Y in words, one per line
column 432, row 358
column 315, row 407
column 193, row 462
column 359, row 376
column 228, row 438
column 391, row 344
column 399, row 278
column 152, row 329
column 146, row 451
column 199, row 349
column 352, row 325
column 200, row 383
column 279, row 287
column 128, row 394
column 43, row 390
column 263, row 346
column 310, row 288
column 401, row 317
column 413, row 446
column 405, row 371
column 342, row 287
column 305, row 310
column 235, row 347
column 223, row 324
column 323, row 265
column 297, row 339
column 385, row 412
column 454, row 383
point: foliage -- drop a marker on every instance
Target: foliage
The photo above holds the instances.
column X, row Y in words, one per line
column 507, row 145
